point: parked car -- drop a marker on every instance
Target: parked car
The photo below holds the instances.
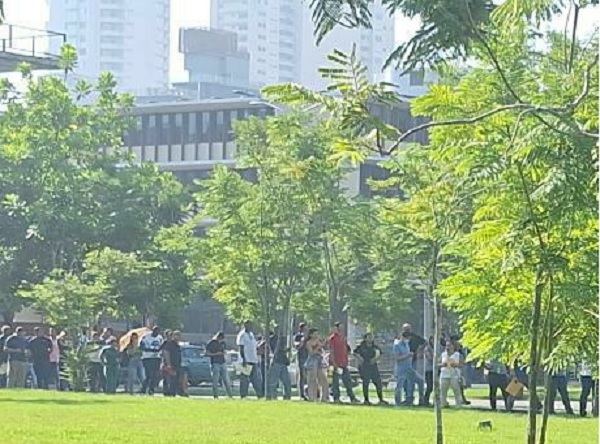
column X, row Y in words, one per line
column 195, row 364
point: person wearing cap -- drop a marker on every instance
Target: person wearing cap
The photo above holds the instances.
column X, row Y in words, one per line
column 338, row 359
column 368, row 354
column 150, row 345
column 249, row 354
column 215, row 350
column 302, row 355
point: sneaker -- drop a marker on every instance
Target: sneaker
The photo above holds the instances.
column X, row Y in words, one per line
column 383, row 402
column 367, row 402
column 583, row 413
column 465, row 402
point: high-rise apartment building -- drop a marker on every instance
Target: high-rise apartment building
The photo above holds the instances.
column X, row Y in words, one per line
column 279, row 35
column 129, row 38
column 270, row 30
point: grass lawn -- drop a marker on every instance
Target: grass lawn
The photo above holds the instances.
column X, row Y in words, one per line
column 50, row 417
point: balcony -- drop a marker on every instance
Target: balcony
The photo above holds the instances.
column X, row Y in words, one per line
column 20, row 44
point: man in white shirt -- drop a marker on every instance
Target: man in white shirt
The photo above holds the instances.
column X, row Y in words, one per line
column 247, row 343
column 150, row 345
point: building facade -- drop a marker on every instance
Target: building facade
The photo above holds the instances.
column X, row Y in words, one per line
column 129, row 38
column 279, row 35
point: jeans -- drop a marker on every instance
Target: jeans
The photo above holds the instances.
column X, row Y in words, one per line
column 370, row 373
column 346, row 380
column 401, row 376
column 302, row 383
column 152, row 372
column 588, row 386
column 499, row 381
column 53, row 375
column 135, row 373
column 559, row 383
column 429, row 383
column 409, row 385
column 31, row 372
column 279, row 372
column 42, row 373
column 445, row 385
column 255, row 378
column 172, row 383
column 219, row 373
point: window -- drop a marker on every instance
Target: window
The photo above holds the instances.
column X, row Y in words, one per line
column 108, row 26
column 111, row 66
column 417, row 78
column 112, row 13
column 191, row 127
column 112, row 53
column 112, row 40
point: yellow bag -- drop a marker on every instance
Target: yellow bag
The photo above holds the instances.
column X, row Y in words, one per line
column 515, row 387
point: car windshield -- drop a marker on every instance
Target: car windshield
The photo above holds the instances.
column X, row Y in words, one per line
column 192, row 353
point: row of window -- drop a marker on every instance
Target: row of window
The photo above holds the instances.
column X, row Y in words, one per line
column 189, row 127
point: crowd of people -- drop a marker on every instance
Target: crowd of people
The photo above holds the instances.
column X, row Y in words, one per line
column 323, row 363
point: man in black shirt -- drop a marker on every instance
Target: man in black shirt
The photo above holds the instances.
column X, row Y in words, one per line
column 171, row 352
column 6, row 332
column 39, row 348
column 279, row 368
column 368, row 354
column 16, row 347
column 300, row 345
column 215, row 349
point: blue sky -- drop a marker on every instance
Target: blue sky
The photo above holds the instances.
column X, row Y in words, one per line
column 33, row 13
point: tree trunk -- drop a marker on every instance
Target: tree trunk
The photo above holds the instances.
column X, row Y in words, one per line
column 336, row 309
column 534, row 357
column 544, row 428
column 437, row 332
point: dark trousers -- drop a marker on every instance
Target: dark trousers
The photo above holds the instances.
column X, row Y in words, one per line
column 370, row 373
column 429, row 389
column 347, row 381
column 111, row 376
column 172, row 383
column 302, row 383
column 559, row 384
column 152, row 371
column 255, row 378
column 498, row 381
column 96, row 373
column 588, row 386
column 42, row 374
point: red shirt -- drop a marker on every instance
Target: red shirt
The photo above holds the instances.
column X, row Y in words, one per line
column 339, row 350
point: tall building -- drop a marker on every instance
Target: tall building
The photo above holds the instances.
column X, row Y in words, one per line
column 372, row 46
column 129, row 38
column 279, row 35
column 270, row 30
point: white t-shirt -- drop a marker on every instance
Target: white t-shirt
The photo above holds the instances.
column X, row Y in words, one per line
column 247, row 340
column 151, row 345
column 450, row 372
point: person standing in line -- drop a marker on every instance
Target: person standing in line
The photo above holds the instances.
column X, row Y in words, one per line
column 302, row 355
column 249, row 354
column 449, row 375
column 462, row 369
column 109, row 357
column 216, row 350
column 6, row 333
column 39, row 350
column 279, row 368
column 429, row 357
column 264, row 353
column 96, row 369
column 171, row 354
column 368, row 353
column 403, row 358
column 338, row 359
column 316, row 367
column 419, row 369
column 150, row 345
column 16, row 348
column 414, row 343
column 54, row 358
column 498, row 379
column 135, row 368
column 588, row 386
column 559, row 383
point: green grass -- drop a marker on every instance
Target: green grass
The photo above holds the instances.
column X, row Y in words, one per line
column 50, row 417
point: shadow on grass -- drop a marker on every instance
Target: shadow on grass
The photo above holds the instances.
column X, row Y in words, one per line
column 53, row 401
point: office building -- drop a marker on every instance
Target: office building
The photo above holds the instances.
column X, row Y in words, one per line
column 129, row 38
